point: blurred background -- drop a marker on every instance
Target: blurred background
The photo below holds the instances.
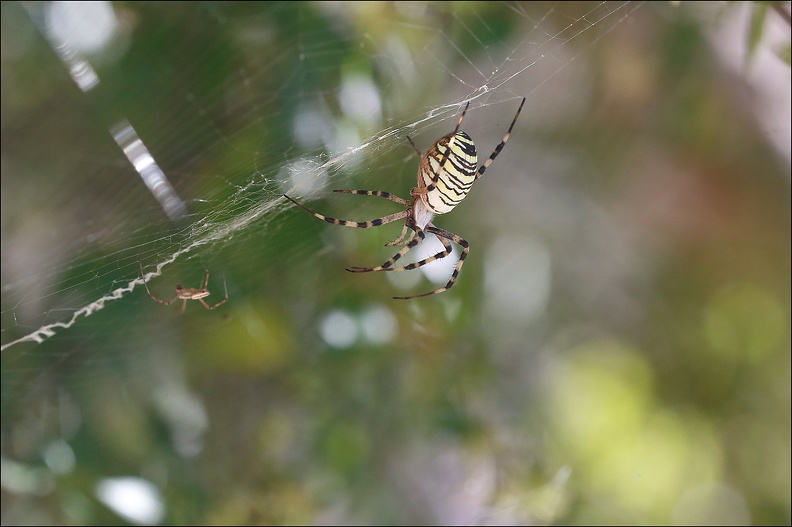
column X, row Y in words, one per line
column 615, row 350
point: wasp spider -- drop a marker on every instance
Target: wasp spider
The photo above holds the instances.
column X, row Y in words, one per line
column 445, row 175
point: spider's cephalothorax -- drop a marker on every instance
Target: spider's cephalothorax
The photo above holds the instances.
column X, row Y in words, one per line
column 446, row 173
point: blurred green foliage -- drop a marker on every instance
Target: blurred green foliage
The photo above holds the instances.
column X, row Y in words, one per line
column 631, row 364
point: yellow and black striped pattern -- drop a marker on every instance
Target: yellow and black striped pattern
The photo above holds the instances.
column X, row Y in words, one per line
column 458, row 173
column 445, row 175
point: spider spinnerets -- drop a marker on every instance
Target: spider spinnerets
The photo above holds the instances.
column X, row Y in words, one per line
column 445, row 175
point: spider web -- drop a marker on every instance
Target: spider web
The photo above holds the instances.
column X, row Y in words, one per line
column 164, row 136
column 321, row 135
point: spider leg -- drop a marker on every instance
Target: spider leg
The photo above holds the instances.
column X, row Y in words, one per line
column 359, row 224
column 379, row 193
column 184, row 305
column 220, row 303
column 436, row 176
column 163, row 302
column 498, row 148
column 442, row 235
column 415, row 265
column 386, row 195
column 207, row 306
column 206, row 278
column 414, row 147
column 400, row 239
column 419, row 235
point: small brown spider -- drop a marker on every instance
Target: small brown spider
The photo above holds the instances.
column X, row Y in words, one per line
column 188, row 293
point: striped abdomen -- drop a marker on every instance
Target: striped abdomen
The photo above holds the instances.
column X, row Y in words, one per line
column 459, row 172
